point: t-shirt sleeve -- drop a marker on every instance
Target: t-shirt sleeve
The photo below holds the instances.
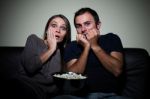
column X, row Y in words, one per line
column 114, row 43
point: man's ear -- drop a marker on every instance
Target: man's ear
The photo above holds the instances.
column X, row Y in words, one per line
column 98, row 25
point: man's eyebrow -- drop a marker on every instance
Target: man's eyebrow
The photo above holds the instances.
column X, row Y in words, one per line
column 87, row 21
column 77, row 24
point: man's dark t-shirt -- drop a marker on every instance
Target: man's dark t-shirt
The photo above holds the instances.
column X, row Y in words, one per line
column 98, row 78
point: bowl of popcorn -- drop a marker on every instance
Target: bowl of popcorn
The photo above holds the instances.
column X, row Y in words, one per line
column 69, row 82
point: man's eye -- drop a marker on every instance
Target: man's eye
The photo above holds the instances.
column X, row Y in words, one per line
column 78, row 26
column 86, row 24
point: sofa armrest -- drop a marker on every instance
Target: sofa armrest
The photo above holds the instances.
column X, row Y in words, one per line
column 9, row 61
column 136, row 74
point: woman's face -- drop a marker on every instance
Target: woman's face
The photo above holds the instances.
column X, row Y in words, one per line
column 59, row 28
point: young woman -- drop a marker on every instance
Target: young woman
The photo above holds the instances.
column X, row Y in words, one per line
column 43, row 57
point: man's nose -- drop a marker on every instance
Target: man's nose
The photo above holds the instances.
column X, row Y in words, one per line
column 83, row 29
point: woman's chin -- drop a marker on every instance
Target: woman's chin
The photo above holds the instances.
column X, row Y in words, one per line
column 59, row 41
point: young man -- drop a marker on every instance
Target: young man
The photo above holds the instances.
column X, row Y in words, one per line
column 100, row 57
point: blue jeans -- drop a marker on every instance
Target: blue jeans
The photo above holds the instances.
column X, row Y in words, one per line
column 92, row 96
column 104, row 96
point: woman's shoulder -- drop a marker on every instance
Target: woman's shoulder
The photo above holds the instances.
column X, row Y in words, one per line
column 32, row 36
column 33, row 39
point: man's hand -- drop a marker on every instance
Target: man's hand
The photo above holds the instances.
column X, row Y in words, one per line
column 92, row 37
column 82, row 39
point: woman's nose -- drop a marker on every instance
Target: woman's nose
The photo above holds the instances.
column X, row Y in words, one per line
column 58, row 29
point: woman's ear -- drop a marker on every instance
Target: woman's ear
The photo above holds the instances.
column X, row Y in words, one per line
column 98, row 25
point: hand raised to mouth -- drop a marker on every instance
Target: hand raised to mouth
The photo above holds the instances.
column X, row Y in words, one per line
column 85, row 35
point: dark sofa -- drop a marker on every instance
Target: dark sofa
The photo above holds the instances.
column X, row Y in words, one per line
column 133, row 81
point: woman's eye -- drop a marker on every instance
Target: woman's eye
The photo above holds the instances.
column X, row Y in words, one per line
column 63, row 28
column 53, row 25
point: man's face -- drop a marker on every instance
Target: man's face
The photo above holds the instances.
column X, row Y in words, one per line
column 85, row 23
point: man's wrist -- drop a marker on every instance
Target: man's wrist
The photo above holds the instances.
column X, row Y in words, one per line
column 96, row 48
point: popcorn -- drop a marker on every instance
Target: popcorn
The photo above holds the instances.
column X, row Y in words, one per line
column 70, row 75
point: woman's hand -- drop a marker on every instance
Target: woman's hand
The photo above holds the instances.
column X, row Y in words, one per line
column 51, row 40
column 51, row 43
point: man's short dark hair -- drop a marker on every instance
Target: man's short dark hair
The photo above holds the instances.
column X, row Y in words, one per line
column 89, row 10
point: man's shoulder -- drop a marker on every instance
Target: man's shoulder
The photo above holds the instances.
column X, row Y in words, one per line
column 109, row 35
column 72, row 44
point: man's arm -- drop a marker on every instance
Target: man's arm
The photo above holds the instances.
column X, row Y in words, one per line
column 78, row 65
column 112, row 62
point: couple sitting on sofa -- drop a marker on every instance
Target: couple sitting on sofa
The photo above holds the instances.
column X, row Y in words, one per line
column 100, row 57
